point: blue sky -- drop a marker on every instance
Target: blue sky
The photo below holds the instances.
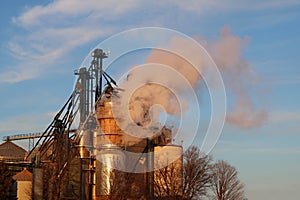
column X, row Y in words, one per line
column 43, row 42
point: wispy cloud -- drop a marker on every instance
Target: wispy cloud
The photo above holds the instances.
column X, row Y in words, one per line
column 111, row 9
column 51, row 31
column 66, row 10
column 19, row 73
column 39, row 50
column 24, row 124
column 232, row 5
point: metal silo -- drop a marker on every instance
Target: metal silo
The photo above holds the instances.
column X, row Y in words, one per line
column 108, row 159
column 110, row 131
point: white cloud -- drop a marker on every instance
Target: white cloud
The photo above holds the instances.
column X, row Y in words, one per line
column 24, row 124
column 17, row 75
column 206, row 6
column 112, row 9
column 53, row 30
column 43, row 49
column 37, row 15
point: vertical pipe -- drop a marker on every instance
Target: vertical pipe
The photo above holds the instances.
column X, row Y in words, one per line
column 87, row 92
column 96, row 70
column 92, row 92
column 82, row 103
column 101, row 58
column 150, row 169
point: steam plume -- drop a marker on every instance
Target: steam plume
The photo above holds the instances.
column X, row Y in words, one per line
column 239, row 78
column 226, row 52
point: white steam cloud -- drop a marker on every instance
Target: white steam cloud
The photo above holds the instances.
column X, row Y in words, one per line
column 226, row 52
column 239, row 79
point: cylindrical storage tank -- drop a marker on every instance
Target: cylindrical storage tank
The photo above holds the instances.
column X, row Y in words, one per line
column 109, row 159
column 37, row 183
column 168, row 170
column 109, row 128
